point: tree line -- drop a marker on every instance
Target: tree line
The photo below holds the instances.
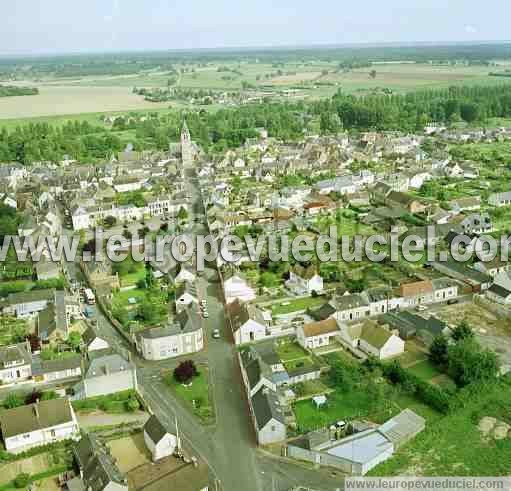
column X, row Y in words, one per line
column 13, row 90
column 217, row 131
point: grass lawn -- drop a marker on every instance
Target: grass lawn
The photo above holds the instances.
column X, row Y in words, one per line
column 311, row 388
column 122, row 298
column 363, row 395
column 297, row 305
column 454, row 445
column 424, row 370
column 291, row 351
column 112, row 403
column 340, row 406
column 196, row 396
column 358, row 403
column 412, row 355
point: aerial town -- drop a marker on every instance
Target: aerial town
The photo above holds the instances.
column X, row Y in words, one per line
column 254, row 363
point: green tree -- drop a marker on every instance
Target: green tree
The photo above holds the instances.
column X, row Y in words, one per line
column 462, row 331
column 182, row 214
column 74, row 340
column 438, row 351
column 468, row 363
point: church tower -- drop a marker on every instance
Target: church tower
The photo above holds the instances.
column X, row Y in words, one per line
column 186, row 146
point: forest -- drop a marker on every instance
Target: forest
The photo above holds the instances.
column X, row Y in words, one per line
column 219, row 130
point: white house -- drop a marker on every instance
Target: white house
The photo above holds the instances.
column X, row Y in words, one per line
column 159, row 441
column 268, row 417
column 317, row 334
column 500, row 199
column 379, row 342
column 186, row 295
column 350, row 307
column 15, row 363
column 247, row 321
column 93, row 341
column 185, row 336
column 236, row 287
column 38, row 424
column 305, row 280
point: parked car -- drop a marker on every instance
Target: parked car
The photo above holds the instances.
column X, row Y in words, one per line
column 216, row 334
column 421, row 308
column 452, row 301
column 205, row 314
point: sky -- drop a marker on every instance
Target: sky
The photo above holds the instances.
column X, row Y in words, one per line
column 55, row 26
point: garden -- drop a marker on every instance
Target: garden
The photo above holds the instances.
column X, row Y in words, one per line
column 191, row 385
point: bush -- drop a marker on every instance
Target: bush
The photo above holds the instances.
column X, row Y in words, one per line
column 431, row 395
column 21, row 480
column 132, row 404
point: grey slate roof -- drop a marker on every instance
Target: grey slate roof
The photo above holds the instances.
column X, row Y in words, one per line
column 108, row 365
column 155, row 429
column 266, row 407
column 97, row 465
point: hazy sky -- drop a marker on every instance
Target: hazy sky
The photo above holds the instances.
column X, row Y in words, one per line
column 37, row 26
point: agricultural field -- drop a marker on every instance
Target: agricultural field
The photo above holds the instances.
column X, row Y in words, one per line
column 316, row 79
column 70, row 100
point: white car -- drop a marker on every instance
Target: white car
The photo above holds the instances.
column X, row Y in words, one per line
column 205, row 314
column 421, row 308
column 204, row 303
column 216, row 334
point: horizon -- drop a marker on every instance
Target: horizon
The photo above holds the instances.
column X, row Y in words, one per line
column 252, row 48
column 114, row 26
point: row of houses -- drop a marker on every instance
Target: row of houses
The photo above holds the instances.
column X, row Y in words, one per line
column 251, row 323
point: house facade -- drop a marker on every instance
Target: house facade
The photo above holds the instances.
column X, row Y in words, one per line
column 38, row 424
column 158, row 440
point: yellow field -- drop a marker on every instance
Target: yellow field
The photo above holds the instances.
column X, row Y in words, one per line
column 56, row 100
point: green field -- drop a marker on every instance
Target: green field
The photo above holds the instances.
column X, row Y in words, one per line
column 62, row 98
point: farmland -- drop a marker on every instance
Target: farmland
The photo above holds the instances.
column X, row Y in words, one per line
column 60, row 96
column 68, row 100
